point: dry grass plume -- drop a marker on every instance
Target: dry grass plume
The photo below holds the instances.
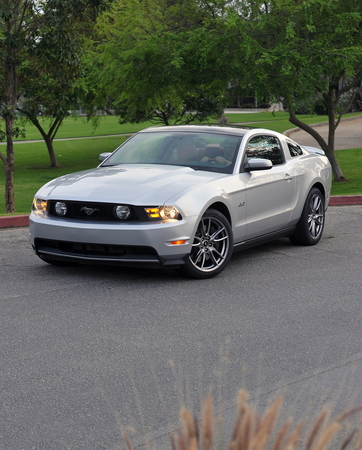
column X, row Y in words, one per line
column 252, row 431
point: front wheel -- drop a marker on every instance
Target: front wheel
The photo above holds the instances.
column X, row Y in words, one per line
column 311, row 223
column 211, row 248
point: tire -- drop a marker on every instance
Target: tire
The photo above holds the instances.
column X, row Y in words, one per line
column 212, row 247
column 311, row 223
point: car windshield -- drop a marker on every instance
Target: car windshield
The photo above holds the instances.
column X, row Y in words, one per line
column 200, row 151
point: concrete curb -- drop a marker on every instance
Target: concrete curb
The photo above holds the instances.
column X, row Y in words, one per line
column 14, row 221
column 23, row 221
column 342, row 200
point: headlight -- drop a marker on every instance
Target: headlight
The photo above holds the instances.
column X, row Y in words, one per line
column 122, row 212
column 61, row 208
column 169, row 213
column 39, row 204
column 164, row 212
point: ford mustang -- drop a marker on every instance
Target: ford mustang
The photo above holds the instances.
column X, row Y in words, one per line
column 184, row 197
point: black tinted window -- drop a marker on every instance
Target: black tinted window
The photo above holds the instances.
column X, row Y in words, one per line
column 294, row 149
column 265, row 147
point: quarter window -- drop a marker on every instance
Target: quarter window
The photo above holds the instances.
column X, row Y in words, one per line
column 265, row 147
column 294, row 149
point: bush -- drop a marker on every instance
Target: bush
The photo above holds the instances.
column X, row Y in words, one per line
column 223, row 120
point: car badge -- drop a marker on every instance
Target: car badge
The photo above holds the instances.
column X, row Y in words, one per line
column 89, row 211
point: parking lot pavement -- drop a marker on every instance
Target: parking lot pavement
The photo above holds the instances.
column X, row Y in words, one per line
column 86, row 350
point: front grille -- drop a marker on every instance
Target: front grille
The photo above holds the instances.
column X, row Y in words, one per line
column 97, row 251
column 96, row 211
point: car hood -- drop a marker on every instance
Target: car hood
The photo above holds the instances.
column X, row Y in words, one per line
column 133, row 184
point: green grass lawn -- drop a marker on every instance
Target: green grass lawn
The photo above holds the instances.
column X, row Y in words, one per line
column 80, row 127
column 32, row 160
column 351, row 163
column 32, row 165
column 107, row 125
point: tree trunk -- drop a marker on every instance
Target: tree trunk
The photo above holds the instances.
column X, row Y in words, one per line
column 10, row 99
column 48, row 137
column 9, row 167
column 331, row 101
column 53, row 158
column 238, row 101
column 327, row 148
column 337, row 172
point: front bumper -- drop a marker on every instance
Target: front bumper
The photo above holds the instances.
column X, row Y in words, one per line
column 146, row 244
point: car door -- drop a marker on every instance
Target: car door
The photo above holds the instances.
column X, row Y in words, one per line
column 269, row 193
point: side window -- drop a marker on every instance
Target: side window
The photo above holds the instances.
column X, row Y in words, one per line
column 265, row 147
column 294, row 149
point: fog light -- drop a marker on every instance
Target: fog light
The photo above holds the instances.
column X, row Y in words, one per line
column 61, row 208
column 122, row 212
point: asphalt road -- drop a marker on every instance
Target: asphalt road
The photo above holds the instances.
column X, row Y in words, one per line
column 89, row 350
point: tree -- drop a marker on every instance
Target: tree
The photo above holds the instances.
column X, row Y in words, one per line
column 50, row 92
column 158, row 60
column 308, row 50
column 30, row 32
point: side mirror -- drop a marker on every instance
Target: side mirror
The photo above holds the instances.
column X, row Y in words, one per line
column 258, row 164
column 103, row 156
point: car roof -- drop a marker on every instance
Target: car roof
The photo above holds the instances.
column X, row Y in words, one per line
column 200, row 129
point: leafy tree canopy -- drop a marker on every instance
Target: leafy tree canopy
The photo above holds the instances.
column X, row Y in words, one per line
column 307, row 51
column 159, row 60
column 39, row 55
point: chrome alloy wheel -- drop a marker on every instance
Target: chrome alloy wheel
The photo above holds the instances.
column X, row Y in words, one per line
column 316, row 216
column 211, row 245
column 309, row 229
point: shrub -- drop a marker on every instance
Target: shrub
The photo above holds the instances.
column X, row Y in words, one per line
column 223, row 120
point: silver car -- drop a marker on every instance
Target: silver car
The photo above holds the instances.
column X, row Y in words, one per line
column 184, row 197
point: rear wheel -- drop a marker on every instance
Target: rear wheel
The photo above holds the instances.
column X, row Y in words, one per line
column 311, row 223
column 211, row 248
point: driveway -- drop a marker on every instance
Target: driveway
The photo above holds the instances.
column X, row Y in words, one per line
column 348, row 134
